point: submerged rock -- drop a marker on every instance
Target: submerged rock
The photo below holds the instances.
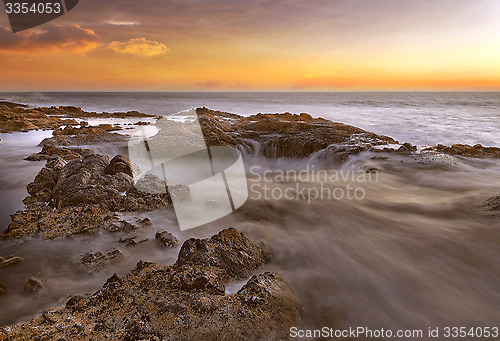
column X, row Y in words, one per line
column 11, row 261
column 33, row 285
column 166, row 238
column 99, row 261
column 179, row 302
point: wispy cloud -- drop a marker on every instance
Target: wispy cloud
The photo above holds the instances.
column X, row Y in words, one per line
column 51, row 39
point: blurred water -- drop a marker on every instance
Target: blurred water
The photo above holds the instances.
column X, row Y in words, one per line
column 417, row 251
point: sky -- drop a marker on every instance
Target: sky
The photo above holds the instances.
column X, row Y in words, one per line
column 259, row 45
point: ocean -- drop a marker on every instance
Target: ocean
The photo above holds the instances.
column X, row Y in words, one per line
column 417, row 251
column 422, row 118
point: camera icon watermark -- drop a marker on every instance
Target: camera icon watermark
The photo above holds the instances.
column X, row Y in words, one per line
column 174, row 150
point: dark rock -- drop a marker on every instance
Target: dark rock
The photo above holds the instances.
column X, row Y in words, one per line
column 119, row 164
column 11, row 261
column 73, row 301
column 493, row 204
column 33, row 285
column 99, row 261
column 166, row 238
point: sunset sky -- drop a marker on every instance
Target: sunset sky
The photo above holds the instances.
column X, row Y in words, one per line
column 261, row 45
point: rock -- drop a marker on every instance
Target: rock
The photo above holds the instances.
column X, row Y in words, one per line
column 229, row 250
column 119, row 164
column 407, row 148
column 476, row 151
column 49, row 223
column 131, row 240
column 493, row 204
column 84, row 135
column 33, row 285
column 180, row 302
column 99, row 261
column 280, row 135
column 15, row 117
column 3, row 288
column 66, row 153
column 166, row 238
column 11, row 261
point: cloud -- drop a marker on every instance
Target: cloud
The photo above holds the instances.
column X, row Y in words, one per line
column 118, row 22
column 52, row 39
column 140, row 47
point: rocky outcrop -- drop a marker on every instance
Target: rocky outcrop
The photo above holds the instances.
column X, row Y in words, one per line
column 80, row 196
column 283, row 135
column 84, row 135
column 477, row 151
column 166, row 238
column 14, row 117
column 66, row 153
column 185, row 301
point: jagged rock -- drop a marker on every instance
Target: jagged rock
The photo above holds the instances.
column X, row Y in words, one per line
column 166, row 238
column 33, row 285
column 17, row 117
column 50, row 223
column 229, row 250
column 187, row 302
column 66, row 153
column 11, row 261
column 84, row 135
column 99, row 261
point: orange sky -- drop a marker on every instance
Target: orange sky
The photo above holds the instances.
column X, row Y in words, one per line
column 218, row 45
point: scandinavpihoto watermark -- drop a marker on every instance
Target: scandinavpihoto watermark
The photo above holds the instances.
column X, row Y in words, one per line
column 25, row 14
column 309, row 184
column 173, row 156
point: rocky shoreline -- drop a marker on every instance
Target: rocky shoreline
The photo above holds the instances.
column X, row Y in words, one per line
column 82, row 191
column 184, row 301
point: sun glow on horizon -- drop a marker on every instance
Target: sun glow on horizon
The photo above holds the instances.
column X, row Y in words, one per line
column 219, row 45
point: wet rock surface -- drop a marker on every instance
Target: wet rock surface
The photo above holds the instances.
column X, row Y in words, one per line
column 84, row 135
column 185, row 301
column 98, row 261
column 166, row 238
column 10, row 261
column 33, row 285
column 79, row 196
column 280, row 135
column 18, row 117
column 476, row 151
